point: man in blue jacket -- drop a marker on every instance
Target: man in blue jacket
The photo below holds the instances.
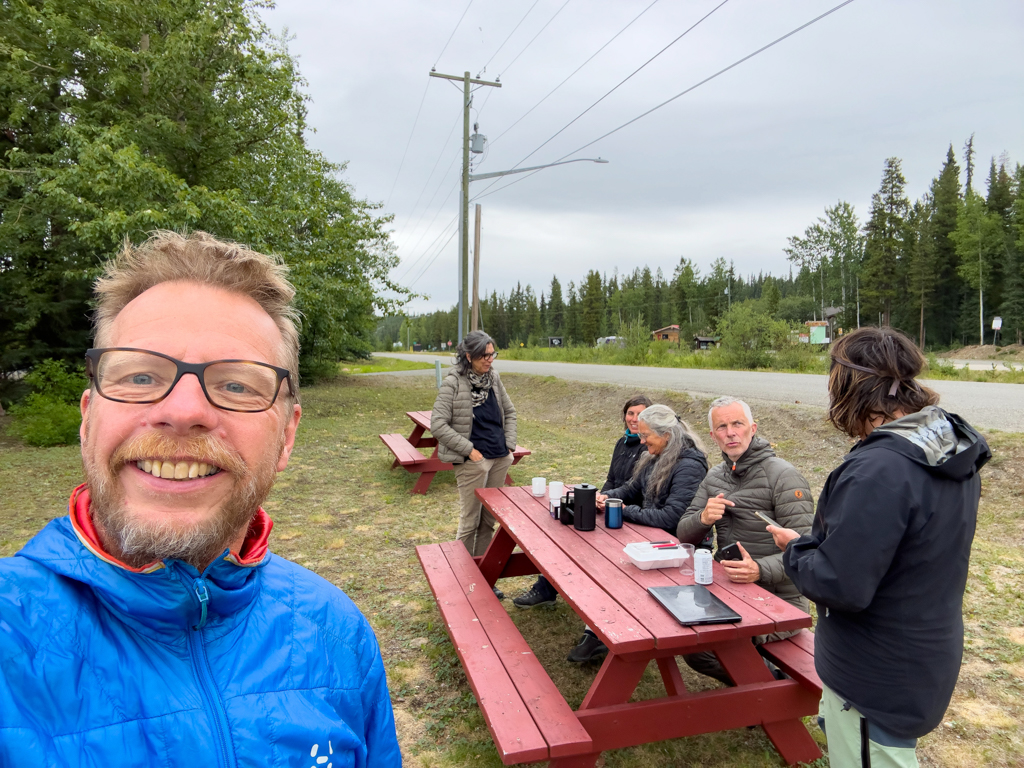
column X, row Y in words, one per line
column 152, row 625
column 886, row 559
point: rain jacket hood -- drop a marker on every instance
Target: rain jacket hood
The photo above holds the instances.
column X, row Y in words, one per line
column 254, row 661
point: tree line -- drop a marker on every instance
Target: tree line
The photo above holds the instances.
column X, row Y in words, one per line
column 939, row 269
column 118, row 118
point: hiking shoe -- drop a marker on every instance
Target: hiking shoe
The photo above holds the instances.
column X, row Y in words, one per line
column 498, row 593
column 535, row 597
column 590, row 648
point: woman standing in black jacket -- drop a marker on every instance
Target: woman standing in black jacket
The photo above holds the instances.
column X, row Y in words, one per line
column 624, row 456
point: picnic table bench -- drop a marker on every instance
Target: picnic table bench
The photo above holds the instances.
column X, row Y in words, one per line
column 526, row 715
column 407, row 453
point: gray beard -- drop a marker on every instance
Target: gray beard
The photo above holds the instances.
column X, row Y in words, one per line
column 137, row 543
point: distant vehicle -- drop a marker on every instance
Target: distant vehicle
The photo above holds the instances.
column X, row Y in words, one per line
column 608, row 341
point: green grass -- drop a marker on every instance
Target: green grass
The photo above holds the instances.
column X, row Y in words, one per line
column 340, row 511
column 380, row 365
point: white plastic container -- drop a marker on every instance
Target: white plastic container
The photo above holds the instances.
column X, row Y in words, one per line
column 645, row 557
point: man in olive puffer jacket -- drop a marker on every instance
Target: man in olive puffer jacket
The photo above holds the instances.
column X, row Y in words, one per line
column 751, row 478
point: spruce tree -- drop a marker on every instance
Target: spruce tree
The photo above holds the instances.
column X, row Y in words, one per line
column 1013, row 293
column 556, row 309
column 592, row 308
column 572, row 317
column 885, row 248
column 941, row 325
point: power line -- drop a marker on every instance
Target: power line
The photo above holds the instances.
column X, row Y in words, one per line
column 431, row 262
column 452, row 34
column 415, row 122
column 669, row 101
column 440, row 154
column 484, row 67
column 573, row 73
column 622, row 82
column 509, row 65
column 712, row 77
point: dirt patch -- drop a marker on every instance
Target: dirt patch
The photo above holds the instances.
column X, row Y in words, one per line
column 1013, row 352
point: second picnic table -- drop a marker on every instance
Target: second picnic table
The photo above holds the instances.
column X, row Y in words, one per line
column 529, row 718
column 408, row 455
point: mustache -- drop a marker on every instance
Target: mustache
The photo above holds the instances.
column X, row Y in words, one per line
column 199, row 448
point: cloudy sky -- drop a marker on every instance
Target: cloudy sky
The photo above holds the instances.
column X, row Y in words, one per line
column 730, row 169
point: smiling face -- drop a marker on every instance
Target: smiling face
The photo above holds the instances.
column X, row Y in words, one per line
column 173, row 509
column 632, row 417
column 655, row 443
column 732, row 430
column 482, row 365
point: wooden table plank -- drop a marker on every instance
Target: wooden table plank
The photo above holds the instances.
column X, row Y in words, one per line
column 607, row 564
column 519, row 734
column 631, row 595
column 556, row 721
column 420, row 418
column 614, row 625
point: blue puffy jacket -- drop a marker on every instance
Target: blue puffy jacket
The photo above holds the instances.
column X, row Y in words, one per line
column 258, row 662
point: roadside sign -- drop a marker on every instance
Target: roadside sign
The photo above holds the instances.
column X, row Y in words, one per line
column 997, row 323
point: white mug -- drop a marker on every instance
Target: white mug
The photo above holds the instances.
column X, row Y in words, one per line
column 538, row 486
column 555, row 489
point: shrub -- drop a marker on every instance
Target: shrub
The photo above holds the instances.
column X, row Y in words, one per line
column 44, row 420
column 749, row 335
column 49, row 414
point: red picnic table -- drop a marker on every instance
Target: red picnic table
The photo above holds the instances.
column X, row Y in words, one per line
column 408, row 455
column 529, row 718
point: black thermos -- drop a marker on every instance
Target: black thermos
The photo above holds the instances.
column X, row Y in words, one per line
column 584, row 507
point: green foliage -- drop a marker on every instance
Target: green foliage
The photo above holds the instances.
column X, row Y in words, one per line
column 886, row 242
column 750, row 335
column 49, row 414
column 638, row 340
column 44, row 420
column 120, row 118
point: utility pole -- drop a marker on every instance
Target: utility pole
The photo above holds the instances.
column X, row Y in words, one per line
column 467, row 100
column 474, row 320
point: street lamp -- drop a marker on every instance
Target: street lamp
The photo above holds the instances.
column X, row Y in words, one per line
column 463, row 205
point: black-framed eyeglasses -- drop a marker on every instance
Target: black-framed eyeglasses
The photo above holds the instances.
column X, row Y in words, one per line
column 491, row 356
column 128, row 375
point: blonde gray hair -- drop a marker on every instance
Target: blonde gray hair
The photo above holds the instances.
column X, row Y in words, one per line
column 200, row 258
column 724, row 401
column 663, row 421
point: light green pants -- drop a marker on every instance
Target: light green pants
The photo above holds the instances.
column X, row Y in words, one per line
column 850, row 745
column 476, row 526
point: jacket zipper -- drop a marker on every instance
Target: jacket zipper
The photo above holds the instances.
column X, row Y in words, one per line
column 201, row 664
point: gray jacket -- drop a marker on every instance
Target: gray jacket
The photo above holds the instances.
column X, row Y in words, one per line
column 761, row 481
column 451, row 421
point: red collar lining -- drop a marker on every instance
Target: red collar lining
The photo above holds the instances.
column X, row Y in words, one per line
column 253, row 550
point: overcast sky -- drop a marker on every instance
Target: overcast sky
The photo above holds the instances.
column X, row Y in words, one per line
column 729, row 170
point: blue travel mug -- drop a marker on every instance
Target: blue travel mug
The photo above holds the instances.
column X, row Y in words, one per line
column 613, row 513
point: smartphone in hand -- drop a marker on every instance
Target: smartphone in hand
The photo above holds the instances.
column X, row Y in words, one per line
column 731, row 552
column 767, row 519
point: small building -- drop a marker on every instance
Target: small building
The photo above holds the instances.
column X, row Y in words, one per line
column 668, row 333
column 705, row 342
column 818, row 331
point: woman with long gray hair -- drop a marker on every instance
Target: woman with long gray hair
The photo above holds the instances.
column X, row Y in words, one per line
column 667, row 476
column 665, row 479
column 474, row 422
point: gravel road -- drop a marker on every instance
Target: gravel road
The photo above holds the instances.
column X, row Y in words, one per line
column 985, row 405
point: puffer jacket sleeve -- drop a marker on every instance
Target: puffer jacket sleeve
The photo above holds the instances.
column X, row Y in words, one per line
column 380, row 736
column 690, row 529
column 683, row 484
column 508, row 412
column 632, row 491
column 794, row 508
column 441, row 418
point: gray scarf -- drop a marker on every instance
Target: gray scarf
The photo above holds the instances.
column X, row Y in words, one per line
column 481, row 387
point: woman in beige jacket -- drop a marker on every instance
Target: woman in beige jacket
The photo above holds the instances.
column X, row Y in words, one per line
column 474, row 422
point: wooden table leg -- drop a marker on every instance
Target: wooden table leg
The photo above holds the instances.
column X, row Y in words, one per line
column 497, row 555
column 790, row 737
column 674, row 685
column 614, row 684
column 423, row 482
column 417, row 433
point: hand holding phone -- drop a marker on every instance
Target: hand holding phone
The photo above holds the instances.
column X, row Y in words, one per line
column 767, row 519
column 731, row 552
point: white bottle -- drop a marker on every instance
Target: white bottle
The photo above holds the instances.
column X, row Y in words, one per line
column 702, row 566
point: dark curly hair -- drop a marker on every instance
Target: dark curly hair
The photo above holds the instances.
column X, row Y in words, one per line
column 874, row 374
